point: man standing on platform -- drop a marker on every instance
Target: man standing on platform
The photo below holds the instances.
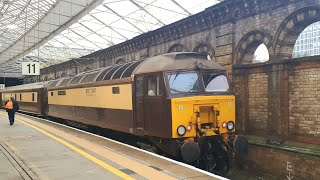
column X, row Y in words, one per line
column 12, row 107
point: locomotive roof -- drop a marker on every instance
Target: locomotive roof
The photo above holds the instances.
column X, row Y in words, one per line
column 176, row 61
column 166, row 62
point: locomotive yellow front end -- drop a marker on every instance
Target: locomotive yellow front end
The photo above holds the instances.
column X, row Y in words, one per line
column 203, row 117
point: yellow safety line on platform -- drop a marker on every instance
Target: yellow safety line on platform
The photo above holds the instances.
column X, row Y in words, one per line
column 85, row 154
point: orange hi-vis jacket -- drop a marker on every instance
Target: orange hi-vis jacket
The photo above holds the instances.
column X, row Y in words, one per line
column 9, row 105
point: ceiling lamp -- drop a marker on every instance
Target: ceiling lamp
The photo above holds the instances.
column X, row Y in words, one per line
column 12, row 26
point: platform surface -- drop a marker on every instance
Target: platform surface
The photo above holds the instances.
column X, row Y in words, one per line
column 37, row 149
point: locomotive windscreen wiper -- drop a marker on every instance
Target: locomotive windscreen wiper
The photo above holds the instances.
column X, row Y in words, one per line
column 175, row 77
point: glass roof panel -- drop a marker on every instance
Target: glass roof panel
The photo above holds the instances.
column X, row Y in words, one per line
column 143, row 20
column 106, row 17
column 197, row 6
column 123, row 8
column 93, row 25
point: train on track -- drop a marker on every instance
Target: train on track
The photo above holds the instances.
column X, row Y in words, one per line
column 180, row 102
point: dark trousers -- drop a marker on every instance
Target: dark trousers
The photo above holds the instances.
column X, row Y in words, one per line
column 11, row 115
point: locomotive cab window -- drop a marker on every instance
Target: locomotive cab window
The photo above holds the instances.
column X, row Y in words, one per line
column 215, row 82
column 183, row 82
column 154, row 86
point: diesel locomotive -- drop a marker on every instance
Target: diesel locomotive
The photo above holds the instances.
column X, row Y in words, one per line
column 180, row 102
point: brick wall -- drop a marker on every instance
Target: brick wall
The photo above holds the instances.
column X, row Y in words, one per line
column 258, row 101
column 279, row 99
column 304, row 102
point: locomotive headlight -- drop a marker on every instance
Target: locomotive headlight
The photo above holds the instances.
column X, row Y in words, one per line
column 181, row 130
column 230, row 125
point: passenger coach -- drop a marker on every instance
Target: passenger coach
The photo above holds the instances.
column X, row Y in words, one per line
column 31, row 97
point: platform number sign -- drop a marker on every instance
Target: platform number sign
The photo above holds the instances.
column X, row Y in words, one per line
column 30, row 68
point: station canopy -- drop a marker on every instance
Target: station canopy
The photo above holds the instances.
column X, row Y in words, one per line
column 53, row 31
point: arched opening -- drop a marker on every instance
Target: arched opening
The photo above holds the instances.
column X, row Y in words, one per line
column 120, row 61
column 308, row 42
column 176, row 48
column 205, row 49
column 291, row 28
column 63, row 75
column 86, row 69
column 236, row 13
column 261, row 54
column 254, row 47
column 102, row 63
column 45, row 78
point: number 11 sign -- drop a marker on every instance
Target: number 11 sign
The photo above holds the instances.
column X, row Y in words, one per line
column 30, row 68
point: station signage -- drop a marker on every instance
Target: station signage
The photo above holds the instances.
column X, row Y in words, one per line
column 30, row 68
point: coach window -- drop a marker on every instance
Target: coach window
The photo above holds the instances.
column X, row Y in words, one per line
column 115, row 90
column 51, row 93
column 62, row 93
column 20, row 97
column 32, row 96
column 15, row 96
column 154, row 86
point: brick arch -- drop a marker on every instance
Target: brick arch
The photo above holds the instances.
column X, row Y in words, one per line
column 290, row 29
column 236, row 13
column 248, row 45
column 205, row 48
column 176, row 48
column 63, row 74
column 120, row 61
column 86, row 69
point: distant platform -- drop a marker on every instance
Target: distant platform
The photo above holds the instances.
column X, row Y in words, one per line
column 38, row 149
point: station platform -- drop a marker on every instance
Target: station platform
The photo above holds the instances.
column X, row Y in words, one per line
column 33, row 148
